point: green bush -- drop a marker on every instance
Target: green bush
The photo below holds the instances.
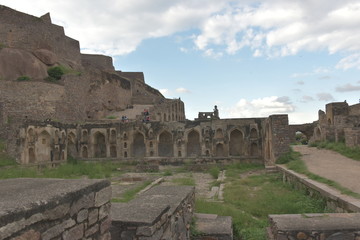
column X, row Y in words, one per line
column 23, row 78
column 56, row 72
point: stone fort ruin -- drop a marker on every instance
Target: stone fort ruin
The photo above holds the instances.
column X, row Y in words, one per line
column 97, row 112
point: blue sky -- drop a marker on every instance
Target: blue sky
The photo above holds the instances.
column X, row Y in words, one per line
column 251, row 58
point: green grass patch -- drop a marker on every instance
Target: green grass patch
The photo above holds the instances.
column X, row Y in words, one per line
column 184, row 181
column 288, row 157
column 131, row 193
column 23, row 78
column 250, row 200
column 5, row 159
column 340, row 147
column 111, row 117
column 234, row 170
column 55, row 73
column 214, row 172
column 75, row 170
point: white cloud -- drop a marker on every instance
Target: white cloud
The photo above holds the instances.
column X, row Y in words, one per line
column 348, row 88
column 325, row 97
column 307, row 99
column 261, row 107
column 268, row 28
column 182, row 90
column 164, row 91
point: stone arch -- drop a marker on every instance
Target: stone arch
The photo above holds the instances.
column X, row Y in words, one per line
column 253, row 133
column 85, row 136
column 317, row 134
column 207, row 153
column 220, row 150
column 113, row 136
column 165, row 147
column 99, row 145
column 113, row 152
column 43, row 147
column 219, row 133
column 31, row 135
column 84, row 152
column 236, row 143
column 125, row 144
column 139, row 148
column 254, row 150
column 193, row 143
column 71, row 147
column 32, row 158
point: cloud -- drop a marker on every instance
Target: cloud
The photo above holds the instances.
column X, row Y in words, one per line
column 316, row 71
column 182, row 90
column 352, row 61
column 300, row 82
column 325, row 77
column 325, row 97
column 348, row 88
column 306, row 99
column 261, row 107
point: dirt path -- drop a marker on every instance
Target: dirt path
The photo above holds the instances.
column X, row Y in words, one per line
column 331, row 165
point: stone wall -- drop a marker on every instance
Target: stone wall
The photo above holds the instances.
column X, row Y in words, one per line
column 334, row 199
column 163, row 212
column 23, row 31
column 133, row 76
column 352, row 137
column 47, row 209
column 101, row 62
column 315, row 226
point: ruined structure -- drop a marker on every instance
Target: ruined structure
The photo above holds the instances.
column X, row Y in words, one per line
column 340, row 123
column 96, row 112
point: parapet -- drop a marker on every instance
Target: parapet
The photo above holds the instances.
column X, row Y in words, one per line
column 54, row 208
column 134, row 76
column 100, row 62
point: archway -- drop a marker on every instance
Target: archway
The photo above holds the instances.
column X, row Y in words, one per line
column 253, row 133
column 193, row 144
column 32, row 158
column 99, row 145
column 84, row 152
column 236, row 143
column 301, row 138
column 42, row 146
column 113, row 136
column 139, row 145
column 113, row 152
column 165, row 148
column 71, row 148
column 254, row 150
column 219, row 150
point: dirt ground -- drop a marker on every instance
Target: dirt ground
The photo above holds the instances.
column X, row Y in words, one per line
column 331, row 165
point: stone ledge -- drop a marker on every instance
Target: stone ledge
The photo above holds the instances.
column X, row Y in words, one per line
column 211, row 226
column 25, row 197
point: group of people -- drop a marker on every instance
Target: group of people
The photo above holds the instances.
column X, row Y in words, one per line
column 124, row 119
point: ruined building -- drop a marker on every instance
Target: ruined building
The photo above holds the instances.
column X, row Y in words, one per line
column 97, row 112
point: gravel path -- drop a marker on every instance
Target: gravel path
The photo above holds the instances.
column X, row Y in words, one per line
column 331, row 165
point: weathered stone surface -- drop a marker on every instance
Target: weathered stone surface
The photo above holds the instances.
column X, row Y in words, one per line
column 57, row 212
column 46, row 56
column 58, row 229
column 29, row 235
column 82, row 215
column 92, row 230
column 104, row 210
column 211, row 225
column 14, row 227
column 74, row 233
column 103, row 196
column 17, row 62
column 86, row 201
column 105, row 225
column 93, row 216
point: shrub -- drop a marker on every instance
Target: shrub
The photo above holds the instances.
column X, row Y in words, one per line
column 23, row 78
column 56, row 72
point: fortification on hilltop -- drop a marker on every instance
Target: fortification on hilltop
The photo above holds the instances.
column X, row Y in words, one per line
column 97, row 112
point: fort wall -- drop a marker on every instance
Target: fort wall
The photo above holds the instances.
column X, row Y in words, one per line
column 101, row 62
column 55, row 209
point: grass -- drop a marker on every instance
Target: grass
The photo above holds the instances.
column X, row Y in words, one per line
column 214, row 172
column 340, row 147
column 111, row 117
column 68, row 170
column 5, row 160
column 131, row 193
column 296, row 164
column 249, row 201
column 184, row 181
column 234, row 170
column 23, row 78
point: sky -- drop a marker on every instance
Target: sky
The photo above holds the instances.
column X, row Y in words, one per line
column 250, row 58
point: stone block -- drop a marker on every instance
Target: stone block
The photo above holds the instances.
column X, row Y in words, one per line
column 57, row 212
column 58, row 229
column 29, row 235
column 93, row 216
column 86, row 201
column 92, row 230
column 74, row 233
column 104, row 211
column 105, row 226
column 82, row 215
column 103, row 196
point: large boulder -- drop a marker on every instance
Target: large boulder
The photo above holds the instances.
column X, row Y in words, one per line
column 17, row 62
column 46, row 56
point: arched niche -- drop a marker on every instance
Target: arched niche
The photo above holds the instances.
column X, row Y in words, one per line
column 193, row 144
column 165, row 147
column 236, row 143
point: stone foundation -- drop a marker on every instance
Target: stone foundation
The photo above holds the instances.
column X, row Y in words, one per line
column 54, row 209
column 163, row 212
column 334, row 199
column 333, row 226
